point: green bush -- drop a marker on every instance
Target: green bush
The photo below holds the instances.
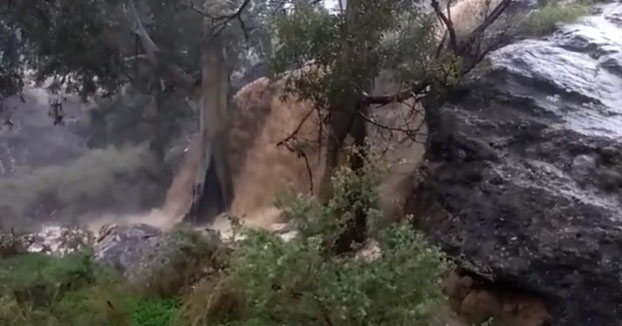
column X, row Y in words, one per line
column 273, row 282
column 261, row 280
column 154, row 312
column 544, row 21
column 39, row 279
column 73, row 291
column 36, row 289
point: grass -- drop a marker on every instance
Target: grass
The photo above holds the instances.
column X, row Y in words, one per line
column 544, row 21
column 74, row 291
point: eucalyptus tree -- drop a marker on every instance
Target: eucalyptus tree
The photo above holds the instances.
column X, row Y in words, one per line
column 98, row 48
column 338, row 55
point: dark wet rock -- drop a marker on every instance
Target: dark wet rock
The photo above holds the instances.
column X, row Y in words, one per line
column 141, row 251
column 525, row 172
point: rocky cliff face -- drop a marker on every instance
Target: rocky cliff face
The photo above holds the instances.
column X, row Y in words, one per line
column 525, row 171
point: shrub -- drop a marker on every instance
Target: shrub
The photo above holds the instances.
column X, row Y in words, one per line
column 299, row 282
column 261, row 280
column 544, row 20
column 36, row 289
column 73, row 291
column 154, row 312
column 39, row 279
column 271, row 282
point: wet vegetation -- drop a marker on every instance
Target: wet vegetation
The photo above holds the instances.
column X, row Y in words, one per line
column 259, row 280
column 545, row 20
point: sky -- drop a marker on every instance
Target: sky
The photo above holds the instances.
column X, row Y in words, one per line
column 331, row 4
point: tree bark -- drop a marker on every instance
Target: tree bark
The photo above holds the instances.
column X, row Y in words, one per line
column 213, row 186
column 345, row 120
column 344, row 113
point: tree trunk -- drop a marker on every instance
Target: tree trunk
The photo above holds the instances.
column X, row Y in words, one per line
column 213, row 187
column 343, row 114
column 355, row 230
column 346, row 120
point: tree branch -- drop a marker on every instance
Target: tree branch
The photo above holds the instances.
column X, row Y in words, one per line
column 401, row 96
column 226, row 19
column 299, row 152
column 490, row 19
column 152, row 53
column 447, row 22
column 296, row 130
column 149, row 46
column 409, row 132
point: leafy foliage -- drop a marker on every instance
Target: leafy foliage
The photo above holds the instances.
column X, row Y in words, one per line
column 155, row 312
column 259, row 280
column 269, row 281
column 135, row 117
column 62, row 39
column 353, row 191
column 36, row 278
column 72, row 290
column 339, row 54
column 544, row 20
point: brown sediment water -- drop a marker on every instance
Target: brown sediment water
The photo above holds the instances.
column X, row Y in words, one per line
column 260, row 167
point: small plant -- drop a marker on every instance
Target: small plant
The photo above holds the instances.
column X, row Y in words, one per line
column 154, row 312
column 544, row 21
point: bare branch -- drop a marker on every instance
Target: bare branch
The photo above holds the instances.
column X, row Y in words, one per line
column 490, row 19
column 401, row 96
column 226, row 19
column 447, row 22
column 196, row 9
column 243, row 26
column 297, row 129
column 149, row 46
column 409, row 132
column 295, row 149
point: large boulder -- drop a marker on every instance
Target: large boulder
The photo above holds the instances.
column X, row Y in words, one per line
column 141, row 253
column 524, row 171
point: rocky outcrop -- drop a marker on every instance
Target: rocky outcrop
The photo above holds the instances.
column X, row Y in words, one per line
column 140, row 252
column 524, row 171
column 50, row 240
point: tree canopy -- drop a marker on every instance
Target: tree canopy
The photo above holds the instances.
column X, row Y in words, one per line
column 93, row 47
column 190, row 47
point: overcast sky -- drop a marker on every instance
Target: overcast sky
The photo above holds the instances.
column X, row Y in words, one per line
column 331, row 4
